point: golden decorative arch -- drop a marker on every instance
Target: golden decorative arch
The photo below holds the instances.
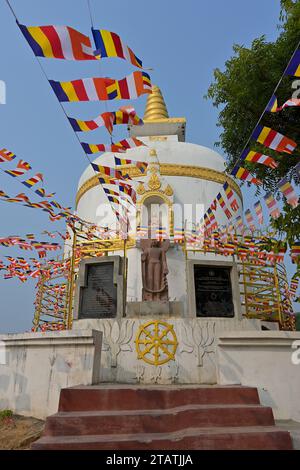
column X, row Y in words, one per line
column 170, row 169
column 165, row 198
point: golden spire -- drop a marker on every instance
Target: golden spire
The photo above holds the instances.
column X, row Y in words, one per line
column 155, row 107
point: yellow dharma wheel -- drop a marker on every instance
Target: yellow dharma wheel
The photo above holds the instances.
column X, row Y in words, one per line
column 156, row 342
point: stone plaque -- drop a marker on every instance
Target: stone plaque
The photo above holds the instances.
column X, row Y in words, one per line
column 213, row 291
column 98, row 299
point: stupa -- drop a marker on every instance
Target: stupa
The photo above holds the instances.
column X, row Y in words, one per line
column 168, row 293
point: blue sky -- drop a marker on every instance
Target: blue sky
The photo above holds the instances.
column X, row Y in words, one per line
column 182, row 41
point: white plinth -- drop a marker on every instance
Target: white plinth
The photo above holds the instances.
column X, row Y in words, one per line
column 35, row 366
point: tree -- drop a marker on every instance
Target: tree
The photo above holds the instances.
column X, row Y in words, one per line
column 243, row 90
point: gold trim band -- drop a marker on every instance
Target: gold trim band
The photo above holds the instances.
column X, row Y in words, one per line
column 170, row 169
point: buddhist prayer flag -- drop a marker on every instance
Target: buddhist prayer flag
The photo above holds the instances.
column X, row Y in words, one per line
column 108, row 171
column 212, row 219
column 34, row 180
column 259, row 212
column 104, row 119
column 102, row 89
column 289, row 103
column 213, row 205
column 288, row 191
column 273, row 139
column 272, row 105
column 243, row 174
column 118, row 147
column 178, row 234
column 293, row 67
column 3, row 194
column 223, row 206
column 22, row 197
column 256, row 157
column 249, row 219
column 272, row 206
column 142, row 166
column 6, row 156
column 42, row 193
column 124, row 115
column 109, row 44
column 230, row 196
column 58, row 42
column 128, row 190
column 294, row 286
column 295, row 252
column 22, row 167
column 239, row 223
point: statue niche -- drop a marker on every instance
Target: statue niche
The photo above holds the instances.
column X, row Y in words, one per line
column 154, row 269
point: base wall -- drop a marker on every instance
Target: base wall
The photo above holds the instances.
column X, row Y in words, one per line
column 195, row 358
column 35, row 366
column 268, row 360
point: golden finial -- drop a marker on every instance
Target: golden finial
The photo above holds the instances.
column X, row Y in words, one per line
column 155, row 107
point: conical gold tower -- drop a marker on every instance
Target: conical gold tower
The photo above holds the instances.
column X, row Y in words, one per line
column 155, row 106
column 157, row 123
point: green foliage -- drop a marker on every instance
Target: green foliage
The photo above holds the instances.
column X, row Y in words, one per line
column 5, row 414
column 242, row 91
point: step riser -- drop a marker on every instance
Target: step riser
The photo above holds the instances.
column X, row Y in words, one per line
column 132, row 424
column 143, row 399
column 257, row 441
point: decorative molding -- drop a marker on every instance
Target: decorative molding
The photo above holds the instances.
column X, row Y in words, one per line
column 170, row 169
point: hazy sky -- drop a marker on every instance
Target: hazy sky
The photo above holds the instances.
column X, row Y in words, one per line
column 182, row 41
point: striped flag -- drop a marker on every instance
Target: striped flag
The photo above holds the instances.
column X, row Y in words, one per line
column 142, row 166
column 259, row 212
column 295, row 252
column 289, row 103
column 42, row 193
column 243, row 174
column 293, row 67
column 34, row 180
column 125, row 115
column 212, row 219
column 58, row 42
column 272, row 205
column 250, row 220
column 118, row 147
column 288, row 191
column 272, row 106
column 223, row 206
column 273, row 139
column 109, row 44
column 6, row 156
column 230, row 196
column 22, row 168
column 239, row 223
column 103, row 89
column 256, row 157
column 108, row 171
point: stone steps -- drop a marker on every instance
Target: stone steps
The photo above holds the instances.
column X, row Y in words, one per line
column 236, row 438
column 154, row 421
column 119, row 417
column 152, row 397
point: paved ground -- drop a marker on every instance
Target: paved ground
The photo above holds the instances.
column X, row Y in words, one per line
column 18, row 432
